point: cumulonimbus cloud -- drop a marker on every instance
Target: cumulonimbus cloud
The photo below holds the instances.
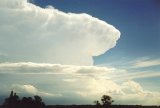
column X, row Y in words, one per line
column 32, row 33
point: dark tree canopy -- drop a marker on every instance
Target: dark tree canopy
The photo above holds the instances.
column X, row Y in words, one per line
column 13, row 101
column 106, row 100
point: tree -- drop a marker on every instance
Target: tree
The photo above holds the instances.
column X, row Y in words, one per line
column 13, row 101
column 38, row 101
column 106, row 100
column 97, row 103
column 38, row 98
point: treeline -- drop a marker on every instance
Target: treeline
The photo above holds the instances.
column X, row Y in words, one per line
column 13, row 101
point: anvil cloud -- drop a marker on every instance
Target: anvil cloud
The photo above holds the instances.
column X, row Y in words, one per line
column 35, row 34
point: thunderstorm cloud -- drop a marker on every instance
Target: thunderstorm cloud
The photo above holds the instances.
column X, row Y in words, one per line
column 49, row 52
column 32, row 33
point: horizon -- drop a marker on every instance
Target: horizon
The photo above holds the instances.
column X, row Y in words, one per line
column 73, row 52
column 13, row 95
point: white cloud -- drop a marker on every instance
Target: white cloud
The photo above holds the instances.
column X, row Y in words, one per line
column 99, row 87
column 30, row 89
column 132, row 87
column 31, row 33
column 135, row 92
column 27, row 88
column 134, row 75
column 89, row 82
column 145, row 62
column 77, row 71
column 46, row 68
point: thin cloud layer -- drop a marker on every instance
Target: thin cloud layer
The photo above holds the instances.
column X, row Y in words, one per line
column 145, row 62
column 34, row 34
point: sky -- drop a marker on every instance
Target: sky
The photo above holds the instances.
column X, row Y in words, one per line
column 73, row 52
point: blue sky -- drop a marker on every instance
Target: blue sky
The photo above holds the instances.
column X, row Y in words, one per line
column 74, row 51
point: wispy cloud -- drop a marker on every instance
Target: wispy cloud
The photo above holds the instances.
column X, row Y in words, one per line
column 147, row 62
column 135, row 75
column 143, row 67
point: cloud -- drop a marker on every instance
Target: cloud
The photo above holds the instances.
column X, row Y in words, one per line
column 35, row 34
column 30, row 89
column 145, row 62
column 27, row 88
column 41, row 50
column 134, row 75
column 132, row 86
column 46, row 68
column 134, row 92
column 74, row 83
column 77, row 71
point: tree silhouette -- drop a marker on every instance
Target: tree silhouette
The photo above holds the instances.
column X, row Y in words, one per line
column 38, row 101
column 106, row 100
column 13, row 101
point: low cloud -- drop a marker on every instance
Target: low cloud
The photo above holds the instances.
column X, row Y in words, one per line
column 30, row 90
column 134, row 92
column 46, row 68
column 35, row 34
column 55, row 81
column 79, row 71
